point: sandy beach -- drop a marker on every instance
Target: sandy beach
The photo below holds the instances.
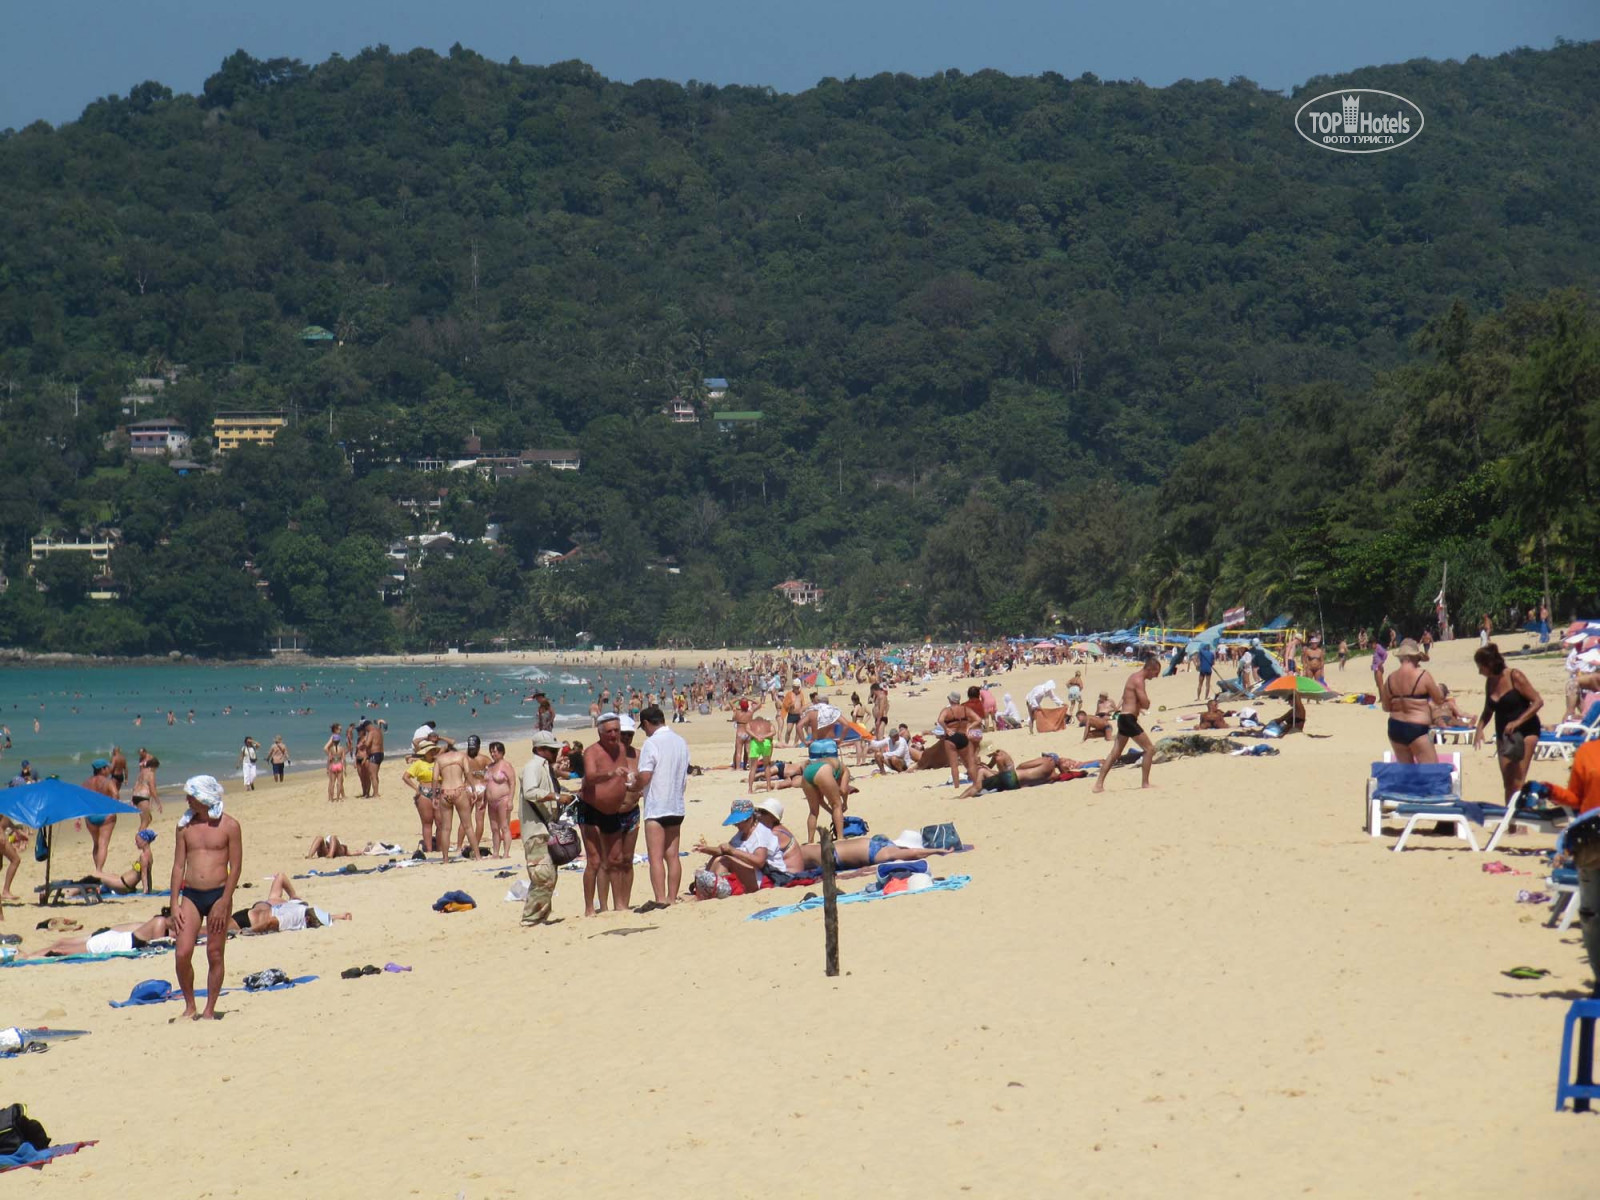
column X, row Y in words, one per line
column 1221, row 986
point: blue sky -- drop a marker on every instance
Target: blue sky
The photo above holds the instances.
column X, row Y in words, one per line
column 57, row 55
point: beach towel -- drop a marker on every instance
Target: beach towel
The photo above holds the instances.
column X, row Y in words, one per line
column 954, row 883
column 27, row 1156
column 146, row 952
column 1049, row 720
column 200, row 993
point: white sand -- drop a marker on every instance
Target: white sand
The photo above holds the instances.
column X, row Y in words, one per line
column 1218, row 987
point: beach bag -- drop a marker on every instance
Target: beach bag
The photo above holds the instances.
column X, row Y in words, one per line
column 940, row 837
column 18, row 1128
column 41, row 848
column 1511, row 745
column 566, row 843
column 855, row 826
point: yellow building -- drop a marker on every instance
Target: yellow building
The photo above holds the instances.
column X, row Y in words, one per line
column 235, row 429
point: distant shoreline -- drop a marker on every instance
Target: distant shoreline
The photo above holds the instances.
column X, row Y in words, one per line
column 588, row 658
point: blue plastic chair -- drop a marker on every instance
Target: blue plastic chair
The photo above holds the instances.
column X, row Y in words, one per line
column 1582, row 1088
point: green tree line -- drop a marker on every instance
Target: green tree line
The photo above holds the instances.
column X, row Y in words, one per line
column 1029, row 351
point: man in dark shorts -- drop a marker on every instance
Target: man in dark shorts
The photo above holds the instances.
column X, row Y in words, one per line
column 1205, row 659
column 607, row 818
column 1135, row 700
column 205, row 871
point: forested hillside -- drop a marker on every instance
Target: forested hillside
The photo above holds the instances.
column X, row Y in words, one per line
column 1026, row 349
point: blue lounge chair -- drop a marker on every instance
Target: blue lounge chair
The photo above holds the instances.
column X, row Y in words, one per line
column 1563, row 741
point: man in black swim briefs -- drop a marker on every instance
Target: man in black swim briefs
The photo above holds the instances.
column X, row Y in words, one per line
column 1135, row 700
column 205, row 871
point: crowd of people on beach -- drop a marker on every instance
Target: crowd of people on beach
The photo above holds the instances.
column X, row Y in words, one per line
column 791, row 728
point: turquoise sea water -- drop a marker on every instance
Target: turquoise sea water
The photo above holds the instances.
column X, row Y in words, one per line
column 83, row 711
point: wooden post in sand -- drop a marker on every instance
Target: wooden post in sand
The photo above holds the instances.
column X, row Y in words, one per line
column 830, row 906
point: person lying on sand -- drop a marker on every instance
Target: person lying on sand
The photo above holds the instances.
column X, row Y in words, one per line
column 779, row 774
column 329, row 846
column 114, row 939
column 863, row 852
column 137, row 874
column 283, row 911
column 1001, row 773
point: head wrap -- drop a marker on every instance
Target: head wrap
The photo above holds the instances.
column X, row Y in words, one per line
column 208, row 791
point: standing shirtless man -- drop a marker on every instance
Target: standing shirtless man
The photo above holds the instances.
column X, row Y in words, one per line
column 205, row 870
column 609, row 819
column 452, row 777
column 880, row 710
column 1135, row 700
column 794, row 703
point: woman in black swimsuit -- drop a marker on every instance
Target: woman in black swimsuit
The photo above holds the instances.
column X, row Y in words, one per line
column 1407, row 696
column 1515, row 705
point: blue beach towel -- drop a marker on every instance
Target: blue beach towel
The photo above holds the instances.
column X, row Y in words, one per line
column 146, row 952
column 151, row 996
column 27, row 1156
column 954, row 883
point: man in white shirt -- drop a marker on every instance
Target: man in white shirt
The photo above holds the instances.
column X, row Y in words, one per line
column 1036, row 698
column 893, row 753
column 663, row 773
column 540, row 798
column 745, row 855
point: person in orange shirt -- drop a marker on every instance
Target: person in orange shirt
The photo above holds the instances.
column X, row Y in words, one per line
column 1582, row 795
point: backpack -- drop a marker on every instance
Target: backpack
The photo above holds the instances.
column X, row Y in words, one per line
column 855, row 826
column 17, row 1128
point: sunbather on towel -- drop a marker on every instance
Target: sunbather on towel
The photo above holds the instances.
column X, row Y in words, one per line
column 329, row 846
column 114, row 939
column 136, row 875
column 283, row 911
column 1001, row 773
column 854, row 852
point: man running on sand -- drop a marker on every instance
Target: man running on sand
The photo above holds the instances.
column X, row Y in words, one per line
column 205, row 871
column 1135, row 700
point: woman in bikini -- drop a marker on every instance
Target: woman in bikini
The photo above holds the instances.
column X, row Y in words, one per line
column 500, row 788
column 1408, row 694
column 145, row 792
column 1514, row 704
column 333, row 751
column 826, row 781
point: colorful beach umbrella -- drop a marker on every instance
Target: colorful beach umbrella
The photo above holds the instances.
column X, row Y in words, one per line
column 1302, row 685
column 1085, row 647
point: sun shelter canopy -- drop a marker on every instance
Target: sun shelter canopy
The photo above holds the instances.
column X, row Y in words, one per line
column 52, row 801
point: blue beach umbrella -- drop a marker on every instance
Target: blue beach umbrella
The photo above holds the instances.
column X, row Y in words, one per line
column 51, row 801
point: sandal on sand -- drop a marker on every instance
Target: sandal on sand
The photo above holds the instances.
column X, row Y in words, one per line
column 1525, row 973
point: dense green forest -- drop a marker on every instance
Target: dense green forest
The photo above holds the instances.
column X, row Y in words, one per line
column 1030, row 353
